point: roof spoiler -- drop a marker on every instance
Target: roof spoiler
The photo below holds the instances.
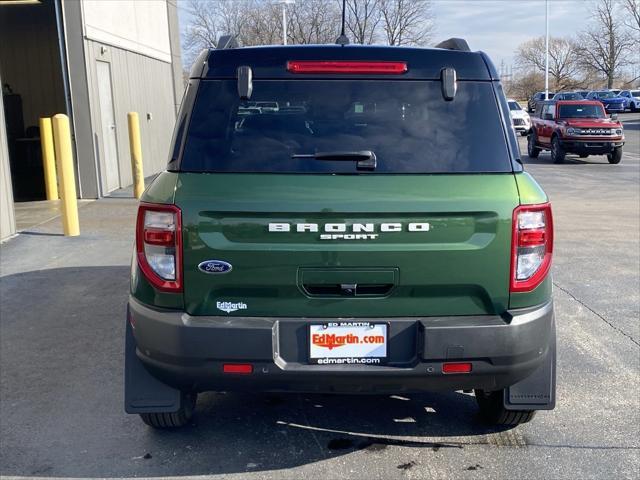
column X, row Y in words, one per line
column 227, row 41
column 459, row 44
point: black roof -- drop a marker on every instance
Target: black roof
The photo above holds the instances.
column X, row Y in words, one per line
column 270, row 61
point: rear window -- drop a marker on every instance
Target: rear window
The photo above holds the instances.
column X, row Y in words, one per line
column 581, row 111
column 407, row 124
column 569, row 96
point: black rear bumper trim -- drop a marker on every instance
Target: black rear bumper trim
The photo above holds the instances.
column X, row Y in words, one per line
column 188, row 352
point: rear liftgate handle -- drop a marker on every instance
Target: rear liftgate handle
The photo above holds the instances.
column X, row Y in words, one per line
column 349, row 289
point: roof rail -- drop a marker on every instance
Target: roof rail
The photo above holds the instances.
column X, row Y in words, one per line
column 227, row 41
column 454, row 44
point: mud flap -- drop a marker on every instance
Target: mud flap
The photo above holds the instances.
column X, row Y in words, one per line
column 538, row 390
column 143, row 393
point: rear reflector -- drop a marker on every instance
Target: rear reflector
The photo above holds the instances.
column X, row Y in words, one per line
column 243, row 368
column 456, row 367
column 531, row 238
column 158, row 237
column 348, row 67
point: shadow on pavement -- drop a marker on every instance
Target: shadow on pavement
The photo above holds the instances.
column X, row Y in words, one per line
column 545, row 159
column 62, row 409
column 41, row 234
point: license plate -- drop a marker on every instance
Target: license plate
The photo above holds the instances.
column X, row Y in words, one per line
column 348, row 343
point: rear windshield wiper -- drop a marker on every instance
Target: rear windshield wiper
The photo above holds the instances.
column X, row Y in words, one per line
column 366, row 159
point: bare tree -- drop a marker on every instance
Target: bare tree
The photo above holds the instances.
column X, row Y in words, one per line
column 314, row 21
column 259, row 22
column 263, row 24
column 603, row 46
column 362, row 19
column 407, row 22
column 231, row 15
column 253, row 22
column 524, row 86
column 203, row 30
column 633, row 15
column 564, row 62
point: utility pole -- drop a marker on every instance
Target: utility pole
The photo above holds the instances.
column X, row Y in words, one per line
column 284, row 4
column 546, row 50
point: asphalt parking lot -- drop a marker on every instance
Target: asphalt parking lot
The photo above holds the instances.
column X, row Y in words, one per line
column 61, row 350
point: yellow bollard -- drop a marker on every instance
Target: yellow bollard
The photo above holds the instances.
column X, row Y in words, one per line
column 48, row 159
column 64, row 155
column 136, row 153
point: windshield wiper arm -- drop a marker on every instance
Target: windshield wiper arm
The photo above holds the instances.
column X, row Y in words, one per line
column 366, row 159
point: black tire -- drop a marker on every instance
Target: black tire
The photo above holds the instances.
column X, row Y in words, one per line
column 524, row 133
column 615, row 156
column 175, row 419
column 493, row 412
column 532, row 150
column 557, row 152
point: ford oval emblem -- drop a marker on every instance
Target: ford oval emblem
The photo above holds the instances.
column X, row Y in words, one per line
column 215, row 266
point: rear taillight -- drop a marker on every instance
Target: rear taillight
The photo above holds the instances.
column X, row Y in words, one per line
column 159, row 245
column 348, row 67
column 532, row 246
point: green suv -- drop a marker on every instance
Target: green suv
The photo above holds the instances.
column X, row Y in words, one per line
column 342, row 219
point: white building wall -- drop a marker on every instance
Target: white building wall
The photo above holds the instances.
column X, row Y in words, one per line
column 140, row 84
column 135, row 39
column 7, row 219
column 140, row 26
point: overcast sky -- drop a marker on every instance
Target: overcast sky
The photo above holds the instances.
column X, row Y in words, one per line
column 497, row 26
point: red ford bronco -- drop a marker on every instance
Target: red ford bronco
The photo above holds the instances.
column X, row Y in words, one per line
column 581, row 127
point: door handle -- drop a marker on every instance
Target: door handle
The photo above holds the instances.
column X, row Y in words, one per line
column 112, row 126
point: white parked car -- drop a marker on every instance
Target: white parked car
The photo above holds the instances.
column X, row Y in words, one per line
column 519, row 118
column 633, row 99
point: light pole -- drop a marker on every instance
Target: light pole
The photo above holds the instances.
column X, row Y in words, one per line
column 546, row 50
column 284, row 4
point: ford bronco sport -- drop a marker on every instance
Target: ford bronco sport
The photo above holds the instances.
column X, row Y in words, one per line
column 371, row 231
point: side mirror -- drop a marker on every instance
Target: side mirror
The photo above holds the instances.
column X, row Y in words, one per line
column 548, row 116
column 614, row 116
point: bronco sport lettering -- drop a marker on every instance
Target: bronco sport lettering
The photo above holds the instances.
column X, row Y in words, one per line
column 355, row 229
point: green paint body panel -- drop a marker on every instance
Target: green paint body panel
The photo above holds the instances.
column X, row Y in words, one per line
column 162, row 189
column 530, row 191
column 459, row 267
column 143, row 291
column 538, row 296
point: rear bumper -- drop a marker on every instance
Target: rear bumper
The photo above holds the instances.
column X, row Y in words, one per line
column 596, row 146
column 188, row 353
